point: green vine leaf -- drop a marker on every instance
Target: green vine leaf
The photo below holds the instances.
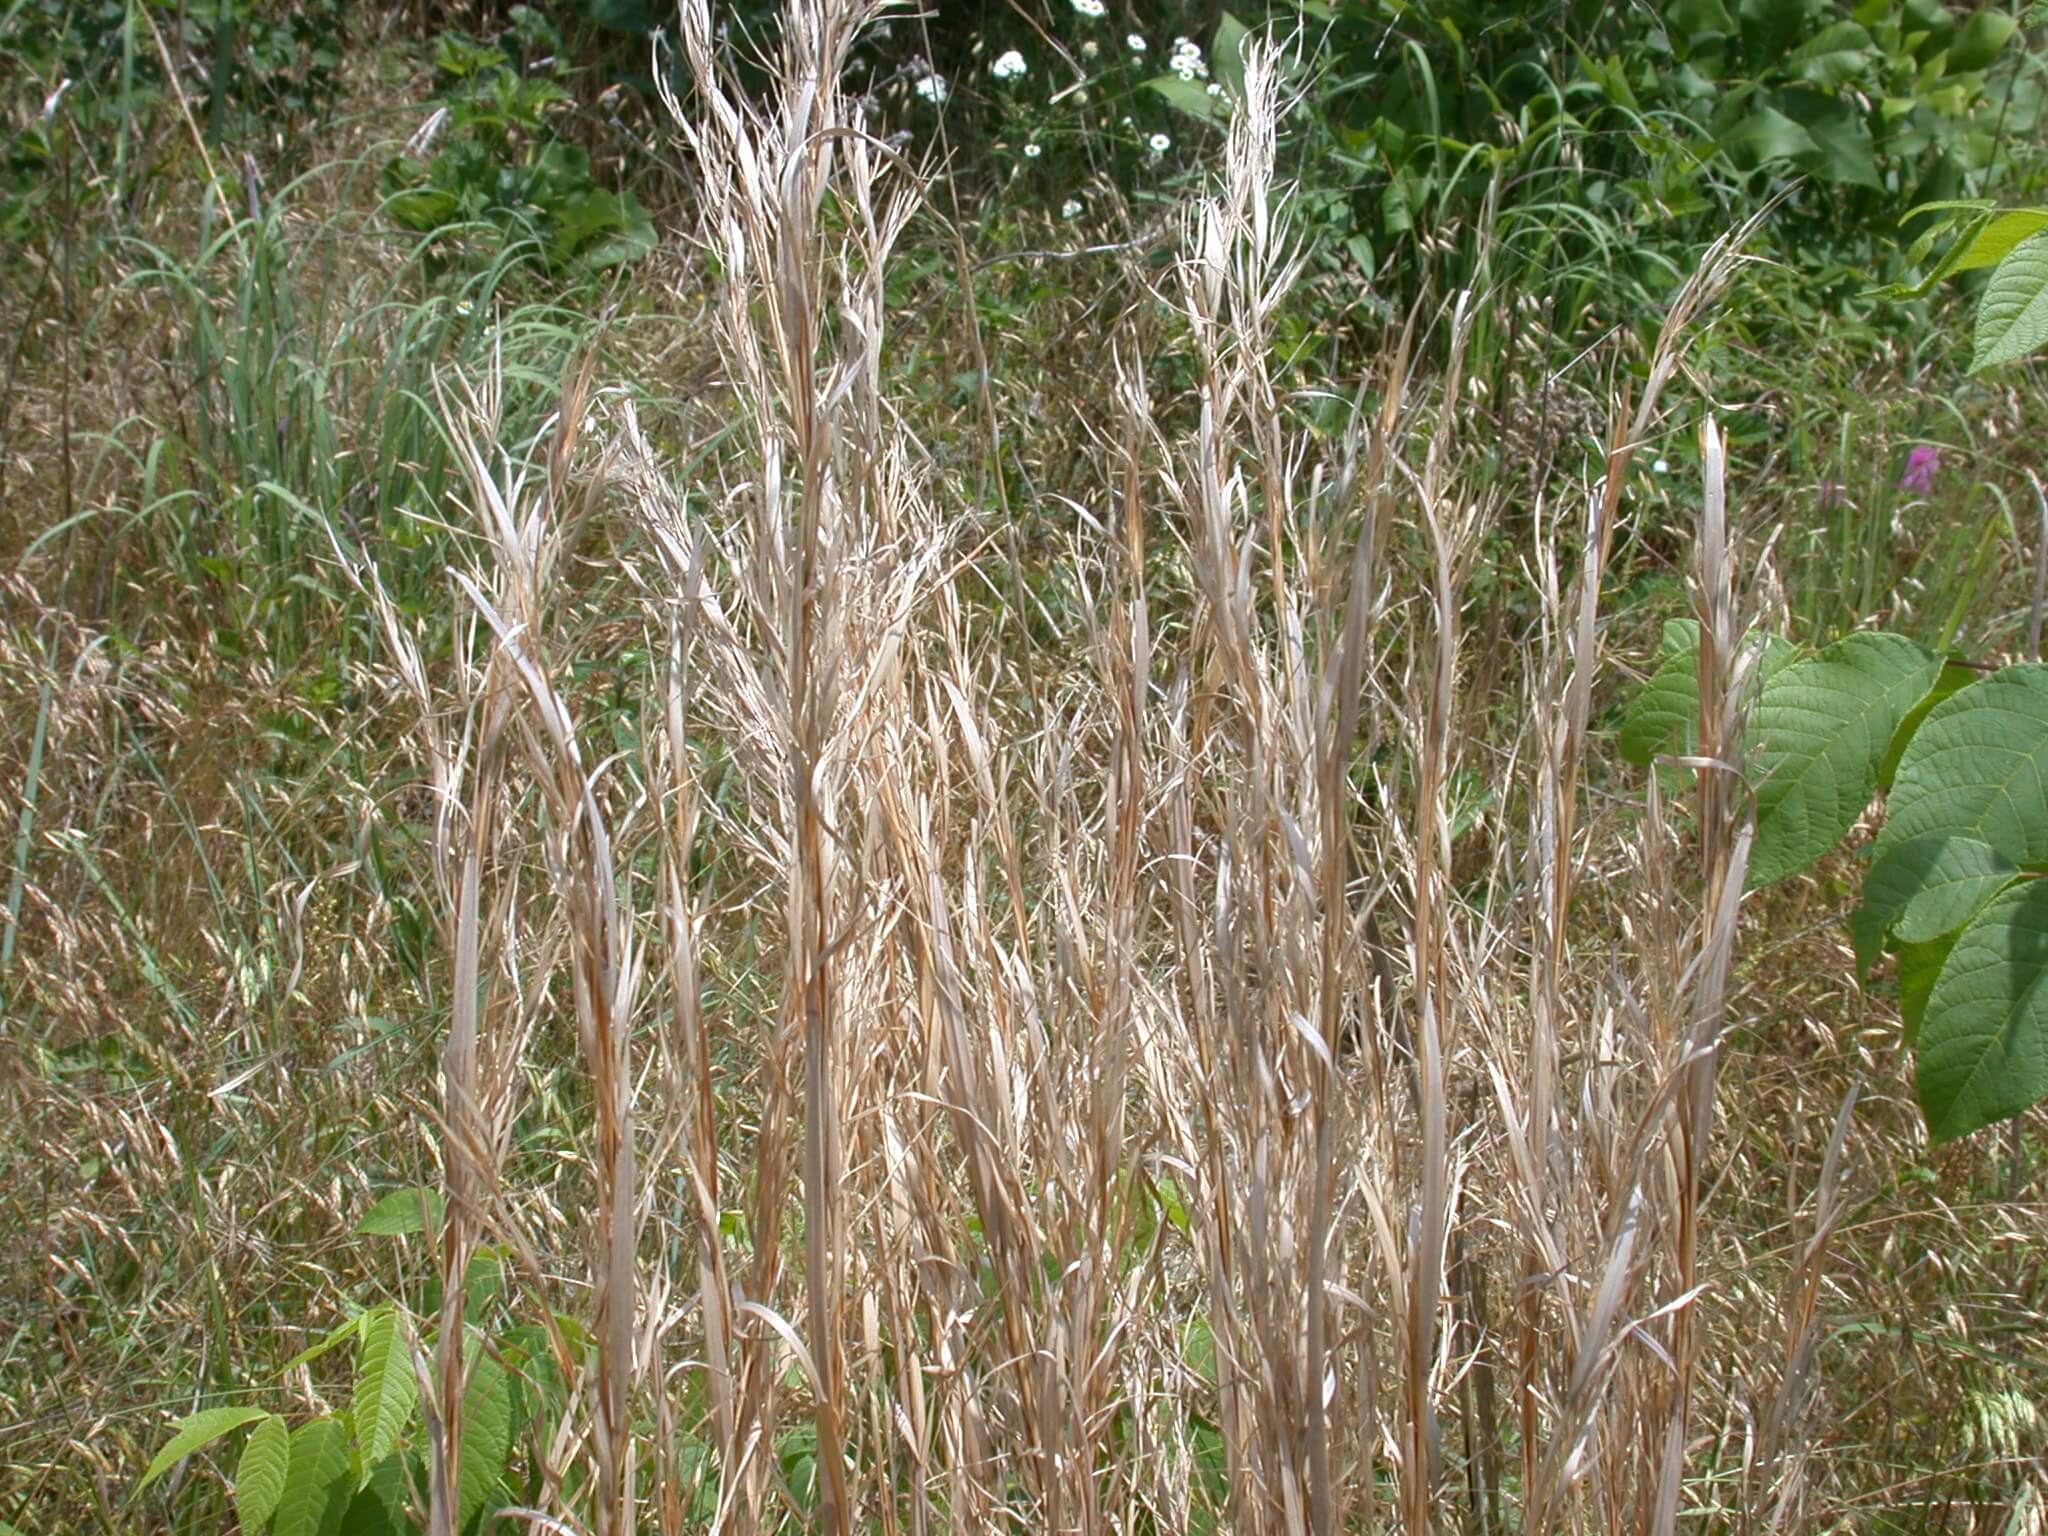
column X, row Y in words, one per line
column 2012, row 317
column 1984, row 1044
column 316, row 1483
column 194, row 1432
column 1821, row 729
column 386, row 1391
column 259, row 1477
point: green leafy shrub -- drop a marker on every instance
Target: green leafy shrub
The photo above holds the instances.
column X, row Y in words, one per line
column 361, row 1470
column 1953, row 889
column 489, row 160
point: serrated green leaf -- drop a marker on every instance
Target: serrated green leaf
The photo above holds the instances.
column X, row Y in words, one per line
column 483, row 1280
column 378, row 1508
column 486, row 1434
column 386, row 1390
column 2012, row 317
column 1996, row 236
column 1821, row 729
column 259, row 1477
column 1984, row 1046
column 194, row 1432
column 1954, row 678
column 1919, row 966
column 1893, row 879
column 400, row 1212
column 1962, row 882
column 1978, row 768
column 1664, row 716
column 1924, row 889
column 316, row 1482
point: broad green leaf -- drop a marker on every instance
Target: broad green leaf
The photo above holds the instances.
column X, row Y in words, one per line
column 1984, row 1046
column 386, row 1390
column 1978, row 768
column 378, row 1508
column 316, row 1483
column 1842, row 153
column 1835, row 55
column 1769, row 27
column 1924, row 888
column 1227, row 56
column 1190, row 97
column 259, row 1478
column 1996, row 236
column 2012, row 317
column 1954, row 678
column 400, row 1212
column 483, row 1280
column 194, row 1432
column 1893, row 879
column 1664, row 716
column 486, row 1434
column 1980, row 41
column 1919, row 966
column 1820, row 731
column 601, row 229
column 1962, row 881
column 1763, row 134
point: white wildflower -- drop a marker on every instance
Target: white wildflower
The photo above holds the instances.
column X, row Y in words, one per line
column 1071, row 208
column 1009, row 66
column 1090, row 48
column 932, row 88
column 1215, row 89
column 1159, row 144
column 1662, row 467
column 1135, row 43
column 1187, row 60
column 1092, row 9
column 1033, row 151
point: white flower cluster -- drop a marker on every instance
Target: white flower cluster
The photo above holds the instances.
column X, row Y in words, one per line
column 1187, row 61
column 932, row 88
column 1094, row 10
column 1009, row 66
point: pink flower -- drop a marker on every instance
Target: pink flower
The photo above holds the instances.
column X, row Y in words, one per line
column 1921, row 464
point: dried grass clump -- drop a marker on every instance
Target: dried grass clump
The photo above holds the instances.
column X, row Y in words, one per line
column 1182, row 937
